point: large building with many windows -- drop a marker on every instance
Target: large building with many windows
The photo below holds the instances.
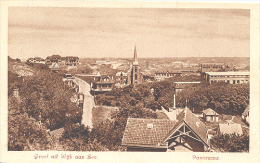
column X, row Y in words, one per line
column 231, row 77
column 212, row 67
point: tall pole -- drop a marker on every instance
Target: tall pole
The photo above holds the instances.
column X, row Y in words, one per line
column 174, row 105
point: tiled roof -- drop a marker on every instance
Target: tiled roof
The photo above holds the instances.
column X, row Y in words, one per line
column 57, row 133
column 138, row 134
column 230, row 128
column 209, row 111
column 196, row 125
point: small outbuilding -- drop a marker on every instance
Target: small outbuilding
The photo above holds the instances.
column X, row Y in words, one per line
column 245, row 114
column 210, row 115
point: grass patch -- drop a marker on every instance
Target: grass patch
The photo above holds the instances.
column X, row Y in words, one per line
column 102, row 113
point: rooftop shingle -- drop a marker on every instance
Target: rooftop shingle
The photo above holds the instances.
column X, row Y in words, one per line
column 138, row 133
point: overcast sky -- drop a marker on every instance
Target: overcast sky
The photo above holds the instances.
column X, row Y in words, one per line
column 111, row 32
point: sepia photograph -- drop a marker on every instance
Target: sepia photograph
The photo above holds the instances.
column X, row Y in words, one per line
column 129, row 79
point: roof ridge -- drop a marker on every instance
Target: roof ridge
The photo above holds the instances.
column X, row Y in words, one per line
column 148, row 119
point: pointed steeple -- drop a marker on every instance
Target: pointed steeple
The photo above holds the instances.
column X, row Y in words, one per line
column 135, row 57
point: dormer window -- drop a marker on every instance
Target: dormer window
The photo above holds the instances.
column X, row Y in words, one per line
column 149, row 126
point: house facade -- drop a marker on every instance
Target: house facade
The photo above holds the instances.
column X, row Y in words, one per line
column 71, row 61
column 121, row 78
column 57, row 59
column 102, row 84
column 210, row 115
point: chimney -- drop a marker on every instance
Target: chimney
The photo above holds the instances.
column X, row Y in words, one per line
column 172, row 114
column 174, row 105
column 16, row 92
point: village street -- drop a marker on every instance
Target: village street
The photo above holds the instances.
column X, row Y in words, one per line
column 88, row 104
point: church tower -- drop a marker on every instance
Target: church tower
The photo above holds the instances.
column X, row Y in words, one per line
column 136, row 76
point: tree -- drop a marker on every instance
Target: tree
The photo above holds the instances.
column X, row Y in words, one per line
column 24, row 133
column 230, row 143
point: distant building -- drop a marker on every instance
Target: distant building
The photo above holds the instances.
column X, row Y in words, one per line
column 53, row 59
column 245, row 114
column 210, row 115
column 121, row 78
column 102, row 84
column 36, row 60
column 178, row 65
column 228, row 77
column 68, row 60
column 211, row 67
column 103, row 62
column 230, row 128
column 180, row 86
column 161, row 75
column 71, row 61
column 183, row 132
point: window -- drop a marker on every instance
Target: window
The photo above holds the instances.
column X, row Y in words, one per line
column 234, row 82
column 135, row 76
column 135, row 69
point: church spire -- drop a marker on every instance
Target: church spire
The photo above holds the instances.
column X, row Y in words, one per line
column 135, row 57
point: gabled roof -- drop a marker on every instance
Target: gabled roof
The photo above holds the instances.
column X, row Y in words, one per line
column 57, row 133
column 138, row 134
column 196, row 125
column 209, row 111
column 230, row 128
column 187, row 117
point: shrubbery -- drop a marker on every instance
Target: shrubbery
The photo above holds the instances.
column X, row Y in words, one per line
column 230, row 143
